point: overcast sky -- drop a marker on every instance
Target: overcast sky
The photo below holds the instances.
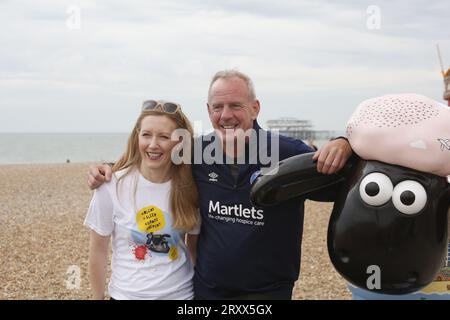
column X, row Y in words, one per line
column 86, row 66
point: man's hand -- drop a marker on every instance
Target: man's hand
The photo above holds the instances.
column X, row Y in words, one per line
column 98, row 174
column 332, row 156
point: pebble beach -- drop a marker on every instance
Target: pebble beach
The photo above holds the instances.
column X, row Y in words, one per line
column 44, row 245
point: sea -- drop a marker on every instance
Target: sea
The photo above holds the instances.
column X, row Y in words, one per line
column 26, row 148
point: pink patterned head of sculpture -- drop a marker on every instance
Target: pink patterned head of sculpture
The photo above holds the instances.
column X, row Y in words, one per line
column 409, row 130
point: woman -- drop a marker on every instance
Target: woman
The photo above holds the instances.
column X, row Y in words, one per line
column 147, row 207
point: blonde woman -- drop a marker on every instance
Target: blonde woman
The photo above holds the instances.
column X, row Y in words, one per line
column 147, row 208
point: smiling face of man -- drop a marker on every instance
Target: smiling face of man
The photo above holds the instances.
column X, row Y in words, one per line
column 231, row 107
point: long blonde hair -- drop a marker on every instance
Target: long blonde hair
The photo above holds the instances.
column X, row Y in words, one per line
column 183, row 199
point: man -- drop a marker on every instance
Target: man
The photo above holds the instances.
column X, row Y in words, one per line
column 245, row 252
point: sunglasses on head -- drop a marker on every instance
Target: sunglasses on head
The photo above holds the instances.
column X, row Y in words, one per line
column 167, row 107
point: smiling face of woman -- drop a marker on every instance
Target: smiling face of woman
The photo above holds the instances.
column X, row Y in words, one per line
column 155, row 147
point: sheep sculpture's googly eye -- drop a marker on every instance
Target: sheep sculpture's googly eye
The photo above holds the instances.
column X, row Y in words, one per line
column 409, row 197
column 376, row 189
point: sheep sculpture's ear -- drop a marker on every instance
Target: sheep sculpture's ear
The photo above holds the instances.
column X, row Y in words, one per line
column 295, row 177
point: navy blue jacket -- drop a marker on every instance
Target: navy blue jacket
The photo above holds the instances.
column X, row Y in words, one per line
column 243, row 249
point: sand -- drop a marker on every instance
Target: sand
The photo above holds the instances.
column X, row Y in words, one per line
column 44, row 245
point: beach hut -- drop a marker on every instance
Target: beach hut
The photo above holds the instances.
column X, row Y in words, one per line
column 447, row 86
column 446, row 76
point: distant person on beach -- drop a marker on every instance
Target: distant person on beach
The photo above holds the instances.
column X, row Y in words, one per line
column 312, row 145
column 147, row 207
column 244, row 252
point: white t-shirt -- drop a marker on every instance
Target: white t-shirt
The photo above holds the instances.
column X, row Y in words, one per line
column 150, row 259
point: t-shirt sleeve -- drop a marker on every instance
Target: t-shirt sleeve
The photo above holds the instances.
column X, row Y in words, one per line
column 301, row 147
column 100, row 213
column 290, row 147
column 196, row 230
